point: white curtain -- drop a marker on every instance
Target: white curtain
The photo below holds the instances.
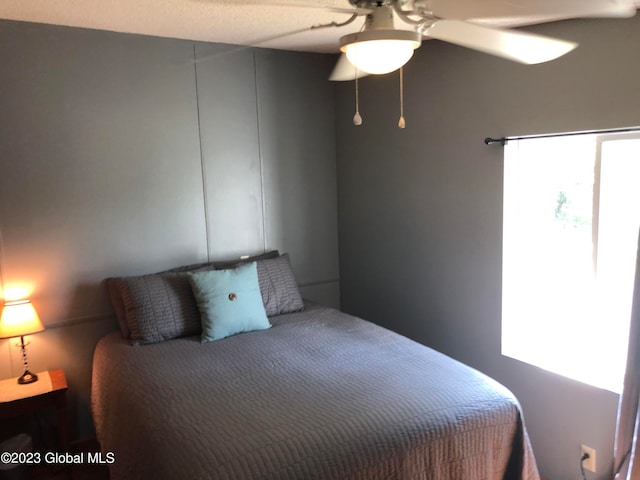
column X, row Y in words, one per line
column 626, row 462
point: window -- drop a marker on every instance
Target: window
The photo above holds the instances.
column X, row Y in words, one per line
column 570, row 237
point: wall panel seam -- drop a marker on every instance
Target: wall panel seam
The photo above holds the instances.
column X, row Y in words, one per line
column 260, row 156
column 202, row 165
column 81, row 320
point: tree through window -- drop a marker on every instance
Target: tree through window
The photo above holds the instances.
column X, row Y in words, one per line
column 570, row 231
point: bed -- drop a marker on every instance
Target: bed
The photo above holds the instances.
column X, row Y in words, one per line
column 318, row 395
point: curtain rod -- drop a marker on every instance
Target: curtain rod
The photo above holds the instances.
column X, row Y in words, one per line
column 503, row 141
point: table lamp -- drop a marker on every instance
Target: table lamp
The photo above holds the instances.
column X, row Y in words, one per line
column 18, row 319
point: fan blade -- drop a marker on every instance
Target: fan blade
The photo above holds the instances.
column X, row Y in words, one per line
column 337, row 6
column 345, row 71
column 522, row 47
column 258, row 42
column 529, row 12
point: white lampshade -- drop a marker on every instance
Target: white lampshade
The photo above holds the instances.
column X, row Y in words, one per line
column 380, row 51
column 19, row 318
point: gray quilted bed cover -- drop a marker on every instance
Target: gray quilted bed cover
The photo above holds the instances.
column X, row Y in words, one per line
column 319, row 395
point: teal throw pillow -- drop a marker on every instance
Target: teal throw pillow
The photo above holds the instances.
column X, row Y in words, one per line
column 229, row 301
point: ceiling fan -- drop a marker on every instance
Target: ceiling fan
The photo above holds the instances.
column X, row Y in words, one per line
column 380, row 47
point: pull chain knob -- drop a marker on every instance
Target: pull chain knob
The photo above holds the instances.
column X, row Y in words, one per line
column 401, row 122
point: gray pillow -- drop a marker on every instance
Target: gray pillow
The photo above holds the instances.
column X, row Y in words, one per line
column 223, row 265
column 114, row 286
column 161, row 306
column 156, row 307
column 278, row 286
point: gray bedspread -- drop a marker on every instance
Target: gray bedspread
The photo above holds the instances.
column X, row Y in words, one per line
column 320, row 395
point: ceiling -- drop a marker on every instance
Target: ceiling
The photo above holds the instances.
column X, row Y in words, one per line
column 240, row 22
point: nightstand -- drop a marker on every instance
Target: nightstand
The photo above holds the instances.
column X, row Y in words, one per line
column 48, row 392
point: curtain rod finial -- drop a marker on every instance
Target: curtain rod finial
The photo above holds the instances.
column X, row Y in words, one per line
column 491, row 141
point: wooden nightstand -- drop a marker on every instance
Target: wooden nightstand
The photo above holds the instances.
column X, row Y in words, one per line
column 48, row 392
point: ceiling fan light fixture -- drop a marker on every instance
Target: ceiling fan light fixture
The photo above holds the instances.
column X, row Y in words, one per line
column 380, row 51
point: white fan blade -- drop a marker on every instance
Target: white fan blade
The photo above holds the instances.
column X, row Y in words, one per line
column 337, row 6
column 345, row 71
column 258, row 42
column 521, row 47
column 525, row 12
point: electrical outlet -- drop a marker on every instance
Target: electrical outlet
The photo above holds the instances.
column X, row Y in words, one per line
column 590, row 463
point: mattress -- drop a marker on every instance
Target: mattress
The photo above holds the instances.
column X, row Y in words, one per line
column 319, row 395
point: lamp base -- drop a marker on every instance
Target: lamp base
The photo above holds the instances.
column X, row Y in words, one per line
column 27, row 377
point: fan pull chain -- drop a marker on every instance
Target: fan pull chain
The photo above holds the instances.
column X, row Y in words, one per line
column 401, row 122
column 357, row 119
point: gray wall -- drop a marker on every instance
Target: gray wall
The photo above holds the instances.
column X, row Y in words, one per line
column 420, row 210
column 121, row 155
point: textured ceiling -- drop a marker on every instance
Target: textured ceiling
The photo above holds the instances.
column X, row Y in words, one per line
column 227, row 21
column 241, row 22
